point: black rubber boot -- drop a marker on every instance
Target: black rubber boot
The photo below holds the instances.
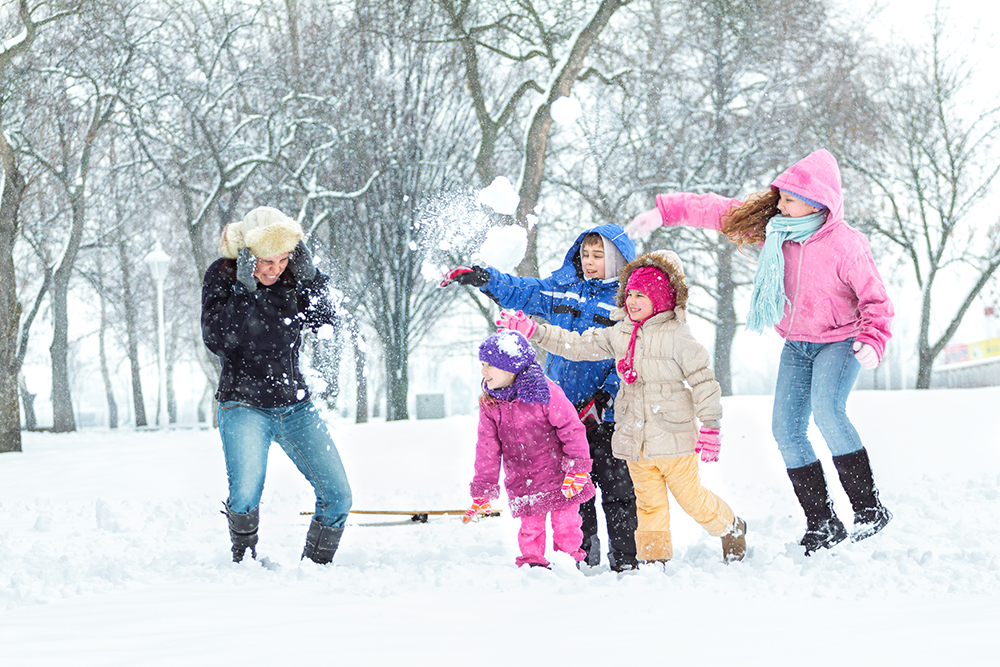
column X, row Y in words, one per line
column 243, row 532
column 321, row 542
column 870, row 515
column 823, row 528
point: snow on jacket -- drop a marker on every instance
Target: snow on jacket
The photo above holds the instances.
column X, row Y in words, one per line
column 568, row 300
column 658, row 415
column 537, row 444
column 834, row 290
column 257, row 335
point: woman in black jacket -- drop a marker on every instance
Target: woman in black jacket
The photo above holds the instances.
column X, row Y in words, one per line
column 255, row 301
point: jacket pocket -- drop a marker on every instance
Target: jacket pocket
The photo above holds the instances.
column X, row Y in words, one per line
column 675, row 420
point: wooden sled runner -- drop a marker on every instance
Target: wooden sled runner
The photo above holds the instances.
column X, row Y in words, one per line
column 416, row 516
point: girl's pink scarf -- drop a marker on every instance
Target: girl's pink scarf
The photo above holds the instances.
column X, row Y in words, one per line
column 625, row 368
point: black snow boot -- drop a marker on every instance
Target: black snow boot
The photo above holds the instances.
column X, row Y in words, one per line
column 321, row 542
column 243, row 532
column 855, row 472
column 823, row 528
column 592, row 549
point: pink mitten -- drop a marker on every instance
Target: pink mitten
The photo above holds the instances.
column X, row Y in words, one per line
column 516, row 322
column 709, row 444
column 573, row 483
column 480, row 508
column 866, row 355
column 644, row 224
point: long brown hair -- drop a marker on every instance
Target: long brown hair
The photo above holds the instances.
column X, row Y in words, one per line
column 746, row 224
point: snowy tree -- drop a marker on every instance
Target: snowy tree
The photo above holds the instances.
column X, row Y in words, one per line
column 534, row 48
column 931, row 163
column 406, row 122
column 723, row 88
column 24, row 29
column 80, row 92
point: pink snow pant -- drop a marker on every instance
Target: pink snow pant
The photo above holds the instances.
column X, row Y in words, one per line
column 566, row 536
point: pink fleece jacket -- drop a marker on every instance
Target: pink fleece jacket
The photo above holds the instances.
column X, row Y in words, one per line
column 835, row 291
column 537, row 444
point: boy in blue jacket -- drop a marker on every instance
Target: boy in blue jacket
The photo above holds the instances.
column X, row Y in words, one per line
column 580, row 295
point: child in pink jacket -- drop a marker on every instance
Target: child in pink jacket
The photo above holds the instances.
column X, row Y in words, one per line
column 817, row 285
column 527, row 425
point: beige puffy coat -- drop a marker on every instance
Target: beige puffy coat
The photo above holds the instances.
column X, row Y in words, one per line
column 658, row 415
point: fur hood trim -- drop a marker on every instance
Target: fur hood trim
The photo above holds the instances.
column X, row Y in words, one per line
column 666, row 261
column 265, row 231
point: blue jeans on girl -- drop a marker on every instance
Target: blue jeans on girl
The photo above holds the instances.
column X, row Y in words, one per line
column 814, row 378
column 247, row 433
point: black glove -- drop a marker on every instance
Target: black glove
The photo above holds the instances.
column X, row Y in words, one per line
column 475, row 276
column 246, row 263
column 301, row 263
column 591, row 410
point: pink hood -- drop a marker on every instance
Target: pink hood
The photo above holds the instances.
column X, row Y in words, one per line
column 817, row 177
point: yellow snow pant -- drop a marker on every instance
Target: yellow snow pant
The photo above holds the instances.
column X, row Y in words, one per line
column 651, row 480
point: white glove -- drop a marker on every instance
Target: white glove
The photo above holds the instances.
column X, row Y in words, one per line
column 866, row 355
column 644, row 224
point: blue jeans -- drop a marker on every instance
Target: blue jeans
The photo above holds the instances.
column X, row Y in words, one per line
column 814, row 378
column 247, row 433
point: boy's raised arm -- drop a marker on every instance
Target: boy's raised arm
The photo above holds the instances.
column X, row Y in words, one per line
column 531, row 295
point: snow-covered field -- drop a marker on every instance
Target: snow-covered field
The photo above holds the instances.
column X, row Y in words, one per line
column 113, row 552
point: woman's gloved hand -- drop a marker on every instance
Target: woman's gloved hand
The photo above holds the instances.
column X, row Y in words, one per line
column 246, row 264
column 301, row 263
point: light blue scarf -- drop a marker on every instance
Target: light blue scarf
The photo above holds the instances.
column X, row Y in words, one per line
column 767, row 302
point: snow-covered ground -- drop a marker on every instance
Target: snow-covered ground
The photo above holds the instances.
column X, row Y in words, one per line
column 113, row 552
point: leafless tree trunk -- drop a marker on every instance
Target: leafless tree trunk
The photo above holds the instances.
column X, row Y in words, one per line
column 109, row 390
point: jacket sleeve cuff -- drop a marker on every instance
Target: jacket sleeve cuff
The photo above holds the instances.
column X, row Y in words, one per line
column 576, row 465
column 484, row 490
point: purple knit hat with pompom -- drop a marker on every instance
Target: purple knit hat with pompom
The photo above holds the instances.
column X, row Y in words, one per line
column 510, row 351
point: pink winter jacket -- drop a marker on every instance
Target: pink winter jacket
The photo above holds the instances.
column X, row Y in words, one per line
column 834, row 290
column 537, row 444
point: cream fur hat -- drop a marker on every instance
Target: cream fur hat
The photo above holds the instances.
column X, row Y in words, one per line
column 265, row 231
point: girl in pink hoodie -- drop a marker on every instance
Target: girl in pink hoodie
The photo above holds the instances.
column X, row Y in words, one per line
column 817, row 285
column 527, row 425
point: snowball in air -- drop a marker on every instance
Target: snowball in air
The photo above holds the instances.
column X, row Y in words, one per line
column 500, row 196
column 566, row 110
column 325, row 332
column 504, row 247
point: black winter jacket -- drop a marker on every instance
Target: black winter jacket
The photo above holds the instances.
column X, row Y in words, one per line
column 257, row 335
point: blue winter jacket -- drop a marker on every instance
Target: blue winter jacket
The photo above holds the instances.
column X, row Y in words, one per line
column 567, row 300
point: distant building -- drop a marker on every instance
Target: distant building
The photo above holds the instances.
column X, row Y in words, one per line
column 969, row 366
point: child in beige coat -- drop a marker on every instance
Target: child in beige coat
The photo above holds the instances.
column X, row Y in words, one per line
column 667, row 389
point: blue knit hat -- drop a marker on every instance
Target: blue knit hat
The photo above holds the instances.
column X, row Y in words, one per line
column 811, row 202
column 510, row 351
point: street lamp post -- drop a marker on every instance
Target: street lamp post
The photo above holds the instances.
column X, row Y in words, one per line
column 159, row 262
